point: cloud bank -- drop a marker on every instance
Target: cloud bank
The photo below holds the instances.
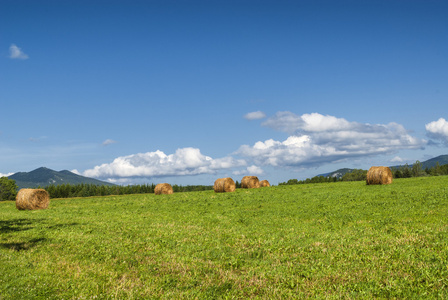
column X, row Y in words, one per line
column 313, row 140
column 16, row 53
column 317, row 139
column 185, row 161
column 438, row 130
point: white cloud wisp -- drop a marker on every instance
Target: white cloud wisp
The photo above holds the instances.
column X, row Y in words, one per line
column 16, row 53
column 108, row 142
column 256, row 115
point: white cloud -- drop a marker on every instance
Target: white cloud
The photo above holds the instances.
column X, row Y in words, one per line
column 256, row 115
column 438, row 130
column 185, row 161
column 318, row 139
column 6, row 175
column 108, row 142
column 289, row 122
column 251, row 170
column 397, row 159
column 16, row 53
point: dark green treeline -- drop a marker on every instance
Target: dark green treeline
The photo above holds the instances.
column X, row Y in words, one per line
column 90, row 190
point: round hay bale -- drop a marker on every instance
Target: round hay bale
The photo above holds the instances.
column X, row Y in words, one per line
column 264, row 183
column 224, row 185
column 31, row 199
column 249, row 182
column 379, row 175
column 163, row 188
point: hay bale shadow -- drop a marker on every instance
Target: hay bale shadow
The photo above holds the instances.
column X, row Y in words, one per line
column 23, row 245
column 16, row 225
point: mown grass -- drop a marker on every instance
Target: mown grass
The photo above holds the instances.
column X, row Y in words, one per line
column 321, row 241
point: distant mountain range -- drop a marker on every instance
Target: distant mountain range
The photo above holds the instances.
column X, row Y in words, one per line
column 44, row 177
column 430, row 163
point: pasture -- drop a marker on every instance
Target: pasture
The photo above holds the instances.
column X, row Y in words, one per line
column 320, row 241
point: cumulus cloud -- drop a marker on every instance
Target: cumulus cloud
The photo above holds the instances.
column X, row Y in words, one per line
column 185, row 161
column 16, row 53
column 289, row 122
column 251, row 170
column 397, row 159
column 256, row 115
column 108, row 142
column 6, row 175
column 438, row 130
column 316, row 139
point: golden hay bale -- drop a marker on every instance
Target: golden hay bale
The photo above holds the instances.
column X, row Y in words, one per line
column 264, row 183
column 249, row 182
column 163, row 188
column 224, row 185
column 31, row 199
column 379, row 175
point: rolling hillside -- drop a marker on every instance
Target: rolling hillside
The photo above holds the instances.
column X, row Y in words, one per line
column 441, row 159
column 44, row 177
column 430, row 163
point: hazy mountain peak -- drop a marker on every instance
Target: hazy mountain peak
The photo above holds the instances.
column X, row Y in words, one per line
column 44, row 177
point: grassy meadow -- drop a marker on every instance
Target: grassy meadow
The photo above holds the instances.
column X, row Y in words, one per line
column 343, row 240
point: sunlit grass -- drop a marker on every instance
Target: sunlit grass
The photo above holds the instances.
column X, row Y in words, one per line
column 333, row 240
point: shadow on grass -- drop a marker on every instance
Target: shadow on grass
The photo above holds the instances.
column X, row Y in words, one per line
column 23, row 245
column 16, row 225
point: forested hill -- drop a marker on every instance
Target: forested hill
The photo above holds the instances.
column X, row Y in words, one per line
column 430, row 163
column 44, row 177
column 338, row 173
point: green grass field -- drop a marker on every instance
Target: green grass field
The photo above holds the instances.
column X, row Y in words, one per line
column 320, row 241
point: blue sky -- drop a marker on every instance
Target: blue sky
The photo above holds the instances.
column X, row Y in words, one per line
column 189, row 91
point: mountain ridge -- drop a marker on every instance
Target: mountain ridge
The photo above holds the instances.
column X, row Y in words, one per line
column 430, row 163
column 44, row 177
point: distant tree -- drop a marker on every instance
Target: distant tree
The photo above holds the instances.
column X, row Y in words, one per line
column 398, row 174
column 436, row 170
column 8, row 189
column 443, row 170
column 417, row 169
column 355, row 175
column 406, row 171
column 315, row 179
column 292, row 181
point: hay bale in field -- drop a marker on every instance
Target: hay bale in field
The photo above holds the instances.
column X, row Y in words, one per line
column 31, row 199
column 163, row 188
column 224, row 185
column 249, row 182
column 264, row 183
column 379, row 175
